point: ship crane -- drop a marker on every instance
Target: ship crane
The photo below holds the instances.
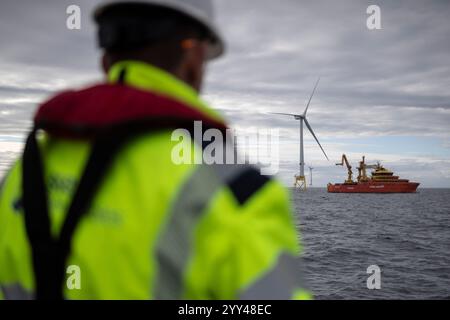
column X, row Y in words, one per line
column 349, row 168
column 362, row 172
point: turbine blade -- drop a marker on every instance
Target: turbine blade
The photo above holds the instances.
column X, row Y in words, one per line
column 312, row 94
column 312, row 132
column 287, row 114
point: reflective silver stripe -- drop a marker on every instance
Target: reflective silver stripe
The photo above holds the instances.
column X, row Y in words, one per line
column 279, row 283
column 174, row 246
column 227, row 172
column 16, row 292
column 2, row 182
column 5, row 176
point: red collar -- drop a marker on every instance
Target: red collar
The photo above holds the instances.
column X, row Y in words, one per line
column 89, row 111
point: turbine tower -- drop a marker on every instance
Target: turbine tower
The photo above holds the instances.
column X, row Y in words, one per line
column 300, row 179
column 310, row 175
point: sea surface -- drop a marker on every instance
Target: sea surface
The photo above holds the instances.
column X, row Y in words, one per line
column 406, row 235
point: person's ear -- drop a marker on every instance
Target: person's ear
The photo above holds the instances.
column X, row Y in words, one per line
column 192, row 67
column 105, row 63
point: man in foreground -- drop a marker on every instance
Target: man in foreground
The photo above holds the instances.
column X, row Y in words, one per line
column 97, row 190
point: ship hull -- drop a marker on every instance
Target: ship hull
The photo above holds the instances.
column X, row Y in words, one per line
column 373, row 187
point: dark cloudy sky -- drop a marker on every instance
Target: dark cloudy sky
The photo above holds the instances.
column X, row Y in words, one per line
column 383, row 93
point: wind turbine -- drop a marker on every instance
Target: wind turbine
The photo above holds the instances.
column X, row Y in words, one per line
column 310, row 175
column 300, row 179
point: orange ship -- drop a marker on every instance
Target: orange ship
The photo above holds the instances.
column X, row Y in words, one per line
column 382, row 180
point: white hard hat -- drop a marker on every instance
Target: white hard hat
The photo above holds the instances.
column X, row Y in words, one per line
column 201, row 11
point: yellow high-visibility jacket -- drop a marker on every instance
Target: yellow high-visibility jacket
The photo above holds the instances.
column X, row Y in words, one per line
column 152, row 229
